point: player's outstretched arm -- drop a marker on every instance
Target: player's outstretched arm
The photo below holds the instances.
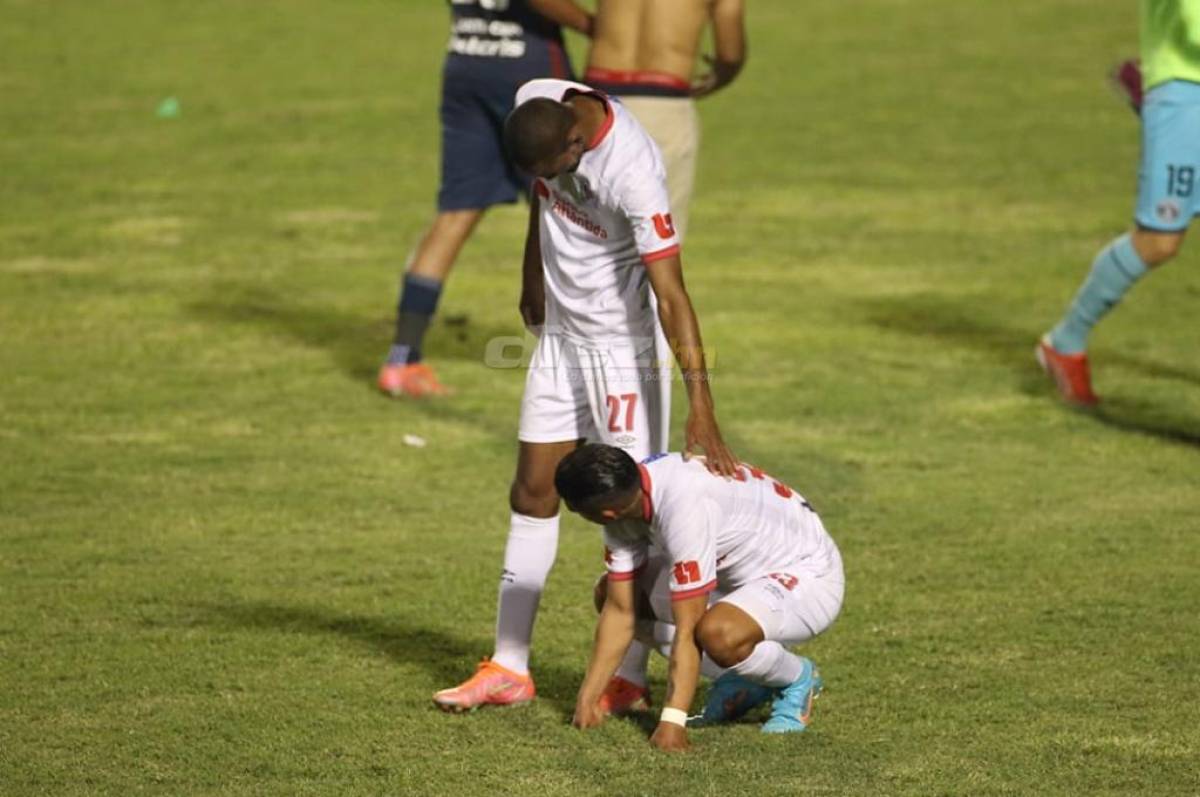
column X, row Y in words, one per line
column 614, row 632
column 533, row 284
column 683, row 331
column 729, row 44
column 565, row 13
column 683, row 674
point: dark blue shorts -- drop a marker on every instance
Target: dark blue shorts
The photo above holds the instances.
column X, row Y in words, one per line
column 477, row 95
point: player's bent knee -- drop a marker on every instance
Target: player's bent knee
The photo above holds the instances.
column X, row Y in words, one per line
column 1156, row 248
column 539, row 501
column 723, row 639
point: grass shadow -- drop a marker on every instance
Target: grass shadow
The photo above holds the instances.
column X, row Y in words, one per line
column 1147, row 420
column 1012, row 346
column 404, row 640
column 356, row 345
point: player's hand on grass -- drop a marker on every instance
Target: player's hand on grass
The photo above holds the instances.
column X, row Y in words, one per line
column 702, row 431
column 670, row 737
column 587, row 714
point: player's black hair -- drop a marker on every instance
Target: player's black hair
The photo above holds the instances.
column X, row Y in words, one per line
column 595, row 476
column 536, row 130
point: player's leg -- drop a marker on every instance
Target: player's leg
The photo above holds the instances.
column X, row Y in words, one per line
column 730, row 637
column 747, row 630
column 553, row 417
column 404, row 373
column 1167, row 196
column 530, row 551
column 474, row 177
column 528, row 556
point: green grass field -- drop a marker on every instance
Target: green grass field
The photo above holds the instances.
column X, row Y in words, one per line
column 223, row 572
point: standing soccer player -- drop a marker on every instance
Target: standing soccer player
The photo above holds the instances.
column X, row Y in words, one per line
column 600, row 238
column 751, row 540
column 1168, row 190
column 494, row 47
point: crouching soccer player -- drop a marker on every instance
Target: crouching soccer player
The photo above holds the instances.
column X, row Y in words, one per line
column 750, row 542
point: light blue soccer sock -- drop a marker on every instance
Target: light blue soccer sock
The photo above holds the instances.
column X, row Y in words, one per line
column 1113, row 273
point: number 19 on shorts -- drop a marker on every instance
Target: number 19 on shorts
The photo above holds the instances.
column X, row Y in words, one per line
column 1180, row 180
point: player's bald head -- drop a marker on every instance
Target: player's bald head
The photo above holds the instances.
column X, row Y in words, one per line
column 536, row 132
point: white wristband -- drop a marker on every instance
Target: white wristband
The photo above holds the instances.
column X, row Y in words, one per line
column 674, row 716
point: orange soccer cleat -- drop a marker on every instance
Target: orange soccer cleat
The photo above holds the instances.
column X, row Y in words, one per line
column 415, row 380
column 490, row 685
column 1069, row 371
column 623, row 697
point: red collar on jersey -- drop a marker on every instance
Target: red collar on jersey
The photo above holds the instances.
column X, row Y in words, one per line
column 608, row 113
column 647, row 503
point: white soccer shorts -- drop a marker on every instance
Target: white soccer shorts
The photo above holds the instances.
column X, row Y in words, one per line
column 601, row 392
column 792, row 607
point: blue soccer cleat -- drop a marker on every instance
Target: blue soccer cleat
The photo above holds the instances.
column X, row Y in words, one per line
column 792, row 710
column 731, row 696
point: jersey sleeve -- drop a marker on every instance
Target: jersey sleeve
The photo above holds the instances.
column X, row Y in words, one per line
column 689, row 536
column 623, row 558
column 642, row 197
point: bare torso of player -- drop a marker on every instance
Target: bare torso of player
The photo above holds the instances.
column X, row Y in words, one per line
column 648, row 36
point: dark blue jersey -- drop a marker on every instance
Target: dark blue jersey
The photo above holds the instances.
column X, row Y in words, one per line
column 504, row 32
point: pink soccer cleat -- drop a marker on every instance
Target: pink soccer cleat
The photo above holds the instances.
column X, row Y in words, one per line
column 491, row 685
column 1069, row 371
column 623, row 697
column 416, row 380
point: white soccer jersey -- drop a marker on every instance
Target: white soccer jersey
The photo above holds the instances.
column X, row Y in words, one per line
column 601, row 224
column 718, row 532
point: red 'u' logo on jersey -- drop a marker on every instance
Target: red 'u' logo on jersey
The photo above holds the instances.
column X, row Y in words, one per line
column 663, row 225
column 687, row 572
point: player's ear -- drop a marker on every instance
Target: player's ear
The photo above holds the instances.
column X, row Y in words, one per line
column 608, row 514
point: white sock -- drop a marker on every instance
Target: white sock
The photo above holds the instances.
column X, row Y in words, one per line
column 633, row 666
column 528, row 557
column 661, row 636
column 770, row 664
column 709, row 668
